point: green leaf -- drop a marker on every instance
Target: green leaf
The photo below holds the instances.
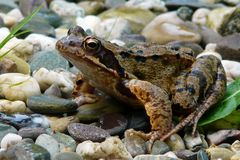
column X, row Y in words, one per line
column 19, row 26
column 226, row 106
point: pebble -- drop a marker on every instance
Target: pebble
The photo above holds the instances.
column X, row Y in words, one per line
column 92, row 7
column 21, row 120
column 231, row 69
column 49, row 143
column 31, row 132
column 53, row 90
column 66, row 143
column 7, row 66
column 93, row 111
column 223, row 136
column 219, row 153
column 6, row 6
column 153, row 157
column 60, row 124
column 10, row 107
column 27, row 6
column 169, row 28
column 67, row 156
column 66, row 9
column 175, row 142
column 235, row 147
column 185, row 13
column 153, row 5
column 137, row 17
column 49, row 60
column 200, row 16
column 82, row 132
column 52, row 18
column 46, row 78
column 187, row 154
column 114, row 4
column 113, row 123
column 229, row 47
column 193, row 142
column 37, row 25
column 89, row 23
column 19, row 86
column 41, row 42
column 159, row 147
column 6, row 129
column 111, row 148
column 217, row 16
column 9, row 140
column 51, row 105
column 209, row 36
column 113, row 28
column 134, row 144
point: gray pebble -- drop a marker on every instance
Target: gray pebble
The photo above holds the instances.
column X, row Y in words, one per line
column 82, row 132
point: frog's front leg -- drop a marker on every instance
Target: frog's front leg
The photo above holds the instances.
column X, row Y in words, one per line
column 157, row 105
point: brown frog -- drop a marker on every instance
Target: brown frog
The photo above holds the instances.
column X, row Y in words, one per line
column 160, row 78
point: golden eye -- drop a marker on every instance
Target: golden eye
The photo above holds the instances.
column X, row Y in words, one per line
column 92, row 44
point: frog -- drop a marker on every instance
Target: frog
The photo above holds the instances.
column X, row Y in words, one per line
column 162, row 79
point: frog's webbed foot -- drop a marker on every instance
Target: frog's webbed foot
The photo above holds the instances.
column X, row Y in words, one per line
column 157, row 105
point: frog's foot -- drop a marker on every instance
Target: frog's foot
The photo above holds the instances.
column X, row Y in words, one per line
column 151, row 137
column 157, row 105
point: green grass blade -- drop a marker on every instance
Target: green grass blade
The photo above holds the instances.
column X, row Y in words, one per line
column 4, row 54
column 19, row 26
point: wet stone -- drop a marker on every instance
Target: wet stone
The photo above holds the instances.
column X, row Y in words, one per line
column 202, row 155
column 5, row 129
column 38, row 25
column 82, row 132
column 26, row 151
column 138, row 120
column 159, row 147
column 154, row 157
column 49, row 143
column 31, row 132
column 219, row 153
column 66, row 143
column 53, row 90
column 186, row 155
column 135, row 145
column 51, row 104
column 185, row 13
column 175, row 142
column 228, row 136
column 67, row 156
column 93, row 111
column 49, row 60
column 114, row 123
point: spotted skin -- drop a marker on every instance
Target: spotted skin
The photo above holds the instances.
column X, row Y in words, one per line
column 160, row 78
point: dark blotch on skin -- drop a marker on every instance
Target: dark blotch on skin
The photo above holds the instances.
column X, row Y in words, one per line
column 178, row 56
column 155, row 57
column 140, row 52
column 191, row 89
column 140, row 59
column 124, row 54
column 180, row 89
column 221, row 77
column 175, row 48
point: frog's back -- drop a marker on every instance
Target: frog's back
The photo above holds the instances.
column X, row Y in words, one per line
column 156, row 63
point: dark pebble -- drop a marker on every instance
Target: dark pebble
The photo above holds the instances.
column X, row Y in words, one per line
column 31, row 132
column 82, row 132
column 223, row 136
column 113, row 123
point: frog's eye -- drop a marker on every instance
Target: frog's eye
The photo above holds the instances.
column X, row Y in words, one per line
column 92, row 44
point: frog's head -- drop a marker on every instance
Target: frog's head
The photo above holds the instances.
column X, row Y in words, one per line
column 78, row 45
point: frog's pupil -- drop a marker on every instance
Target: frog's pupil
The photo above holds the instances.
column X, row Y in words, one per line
column 92, row 45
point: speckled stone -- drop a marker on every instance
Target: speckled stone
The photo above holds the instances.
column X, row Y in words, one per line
column 31, row 132
column 82, row 132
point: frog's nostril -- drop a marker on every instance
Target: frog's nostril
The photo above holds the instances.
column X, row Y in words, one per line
column 71, row 43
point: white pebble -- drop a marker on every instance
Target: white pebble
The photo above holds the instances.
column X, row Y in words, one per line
column 10, row 107
column 232, row 70
column 17, row 86
column 46, row 78
column 9, row 140
column 89, row 22
column 200, row 16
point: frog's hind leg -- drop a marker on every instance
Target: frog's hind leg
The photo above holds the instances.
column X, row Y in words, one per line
column 157, row 105
column 213, row 95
